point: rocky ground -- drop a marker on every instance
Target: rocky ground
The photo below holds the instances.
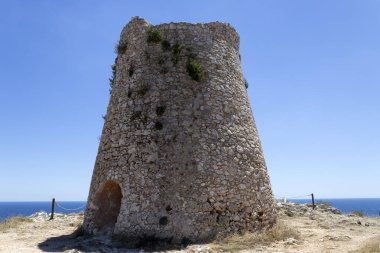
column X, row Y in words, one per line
column 324, row 229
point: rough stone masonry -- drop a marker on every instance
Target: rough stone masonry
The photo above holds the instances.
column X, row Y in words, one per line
column 180, row 157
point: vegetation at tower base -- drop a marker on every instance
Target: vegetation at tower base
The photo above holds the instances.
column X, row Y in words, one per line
column 179, row 161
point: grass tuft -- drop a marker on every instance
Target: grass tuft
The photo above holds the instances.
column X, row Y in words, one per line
column 233, row 243
column 177, row 48
column 195, row 70
column 14, row 222
column 121, row 47
column 371, row 246
column 358, row 213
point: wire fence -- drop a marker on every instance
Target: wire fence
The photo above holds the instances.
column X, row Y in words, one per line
column 70, row 209
column 293, row 197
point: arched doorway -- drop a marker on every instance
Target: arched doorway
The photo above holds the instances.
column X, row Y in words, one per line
column 108, row 202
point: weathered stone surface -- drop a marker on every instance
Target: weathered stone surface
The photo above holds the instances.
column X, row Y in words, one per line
column 185, row 154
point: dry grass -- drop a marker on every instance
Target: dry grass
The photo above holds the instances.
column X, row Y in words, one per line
column 372, row 246
column 358, row 213
column 14, row 222
column 234, row 243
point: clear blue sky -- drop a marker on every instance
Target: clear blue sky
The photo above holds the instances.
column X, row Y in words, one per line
column 313, row 69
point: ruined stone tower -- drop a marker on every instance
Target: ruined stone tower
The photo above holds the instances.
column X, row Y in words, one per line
column 179, row 158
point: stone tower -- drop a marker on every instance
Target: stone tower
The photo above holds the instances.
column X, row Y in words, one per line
column 179, row 157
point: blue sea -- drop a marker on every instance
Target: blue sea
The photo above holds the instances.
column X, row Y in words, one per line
column 8, row 209
column 369, row 206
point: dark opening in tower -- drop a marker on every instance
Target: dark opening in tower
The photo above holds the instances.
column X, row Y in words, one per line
column 107, row 201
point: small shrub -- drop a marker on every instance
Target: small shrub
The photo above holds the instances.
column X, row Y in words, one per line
column 358, row 213
column 165, row 45
column 136, row 115
column 143, row 90
column 121, row 47
column 160, row 110
column 158, row 125
column 195, row 70
column 129, row 93
column 154, row 35
column 14, row 222
column 177, row 48
column 131, row 70
column 104, row 117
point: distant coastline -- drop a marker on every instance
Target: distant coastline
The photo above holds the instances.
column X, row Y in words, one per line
column 369, row 206
column 26, row 208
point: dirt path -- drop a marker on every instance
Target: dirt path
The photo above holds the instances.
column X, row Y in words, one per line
column 320, row 232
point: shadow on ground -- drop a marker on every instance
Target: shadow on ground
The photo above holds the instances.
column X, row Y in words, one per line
column 101, row 243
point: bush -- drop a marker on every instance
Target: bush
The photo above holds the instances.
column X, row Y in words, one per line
column 121, row 47
column 195, row 70
column 154, row 35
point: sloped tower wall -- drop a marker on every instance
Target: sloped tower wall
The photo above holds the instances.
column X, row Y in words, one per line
column 179, row 159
